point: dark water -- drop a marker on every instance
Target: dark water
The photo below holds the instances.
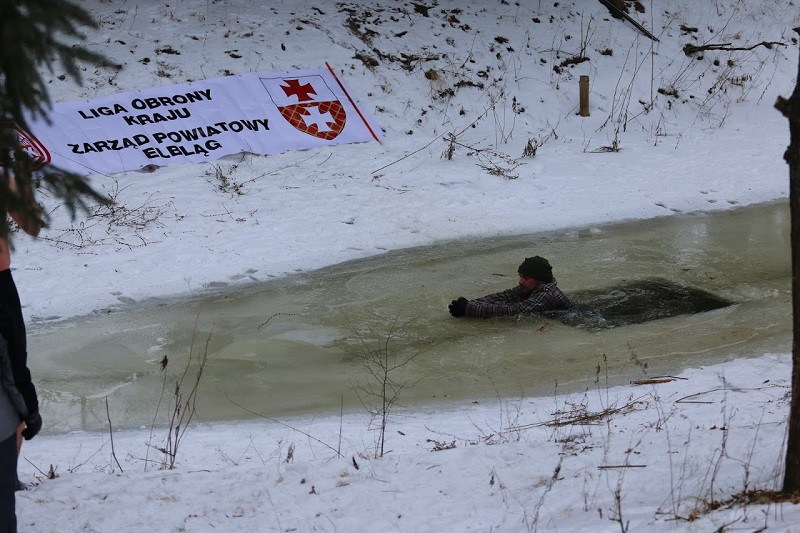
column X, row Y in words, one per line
column 636, row 302
column 668, row 293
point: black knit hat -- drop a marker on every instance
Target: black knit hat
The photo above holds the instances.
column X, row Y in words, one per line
column 538, row 268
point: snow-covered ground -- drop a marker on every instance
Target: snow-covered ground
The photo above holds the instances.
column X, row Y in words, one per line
column 460, row 92
column 653, row 456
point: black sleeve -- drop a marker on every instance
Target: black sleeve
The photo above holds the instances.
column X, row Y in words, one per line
column 24, row 383
column 13, row 329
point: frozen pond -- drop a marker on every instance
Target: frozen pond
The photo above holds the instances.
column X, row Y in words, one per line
column 307, row 356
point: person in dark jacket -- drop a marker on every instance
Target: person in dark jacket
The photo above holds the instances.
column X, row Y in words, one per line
column 536, row 292
column 12, row 324
column 13, row 411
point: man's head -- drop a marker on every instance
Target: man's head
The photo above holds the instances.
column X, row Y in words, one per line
column 535, row 271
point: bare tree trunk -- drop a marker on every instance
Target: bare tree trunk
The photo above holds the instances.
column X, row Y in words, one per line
column 791, row 110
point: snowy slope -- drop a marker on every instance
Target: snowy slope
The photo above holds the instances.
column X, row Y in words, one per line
column 481, row 82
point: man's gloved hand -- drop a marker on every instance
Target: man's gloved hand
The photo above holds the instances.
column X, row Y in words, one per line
column 33, row 423
column 458, row 307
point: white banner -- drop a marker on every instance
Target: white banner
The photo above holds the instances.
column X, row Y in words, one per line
column 262, row 113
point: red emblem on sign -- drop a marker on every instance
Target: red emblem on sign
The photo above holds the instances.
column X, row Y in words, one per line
column 324, row 119
column 308, row 104
column 39, row 155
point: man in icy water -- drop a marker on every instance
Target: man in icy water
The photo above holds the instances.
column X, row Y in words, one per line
column 536, row 293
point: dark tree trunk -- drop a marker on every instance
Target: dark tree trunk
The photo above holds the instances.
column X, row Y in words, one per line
column 791, row 110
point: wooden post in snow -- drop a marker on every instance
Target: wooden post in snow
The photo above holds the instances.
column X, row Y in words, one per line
column 583, row 85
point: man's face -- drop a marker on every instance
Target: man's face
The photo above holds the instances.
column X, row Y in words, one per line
column 527, row 282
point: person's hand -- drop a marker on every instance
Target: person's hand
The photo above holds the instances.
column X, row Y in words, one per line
column 458, row 308
column 33, row 424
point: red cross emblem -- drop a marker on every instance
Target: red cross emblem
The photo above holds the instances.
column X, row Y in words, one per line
column 293, row 88
column 308, row 104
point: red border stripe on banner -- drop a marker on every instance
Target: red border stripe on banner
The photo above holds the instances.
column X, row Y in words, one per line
column 353, row 103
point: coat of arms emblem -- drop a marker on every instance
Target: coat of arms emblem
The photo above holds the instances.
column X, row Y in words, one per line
column 38, row 153
column 308, row 104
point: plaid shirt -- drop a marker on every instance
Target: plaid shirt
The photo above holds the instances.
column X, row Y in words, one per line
column 514, row 301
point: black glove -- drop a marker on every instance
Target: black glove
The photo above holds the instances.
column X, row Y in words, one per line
column 458, row 308
column 33, row 423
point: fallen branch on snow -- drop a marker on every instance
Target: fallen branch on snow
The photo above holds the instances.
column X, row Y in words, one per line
column 690, row 48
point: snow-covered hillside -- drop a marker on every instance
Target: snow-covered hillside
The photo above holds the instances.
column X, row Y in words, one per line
column 465, row 97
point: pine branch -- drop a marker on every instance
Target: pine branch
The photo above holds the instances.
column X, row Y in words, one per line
column 35, row 34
